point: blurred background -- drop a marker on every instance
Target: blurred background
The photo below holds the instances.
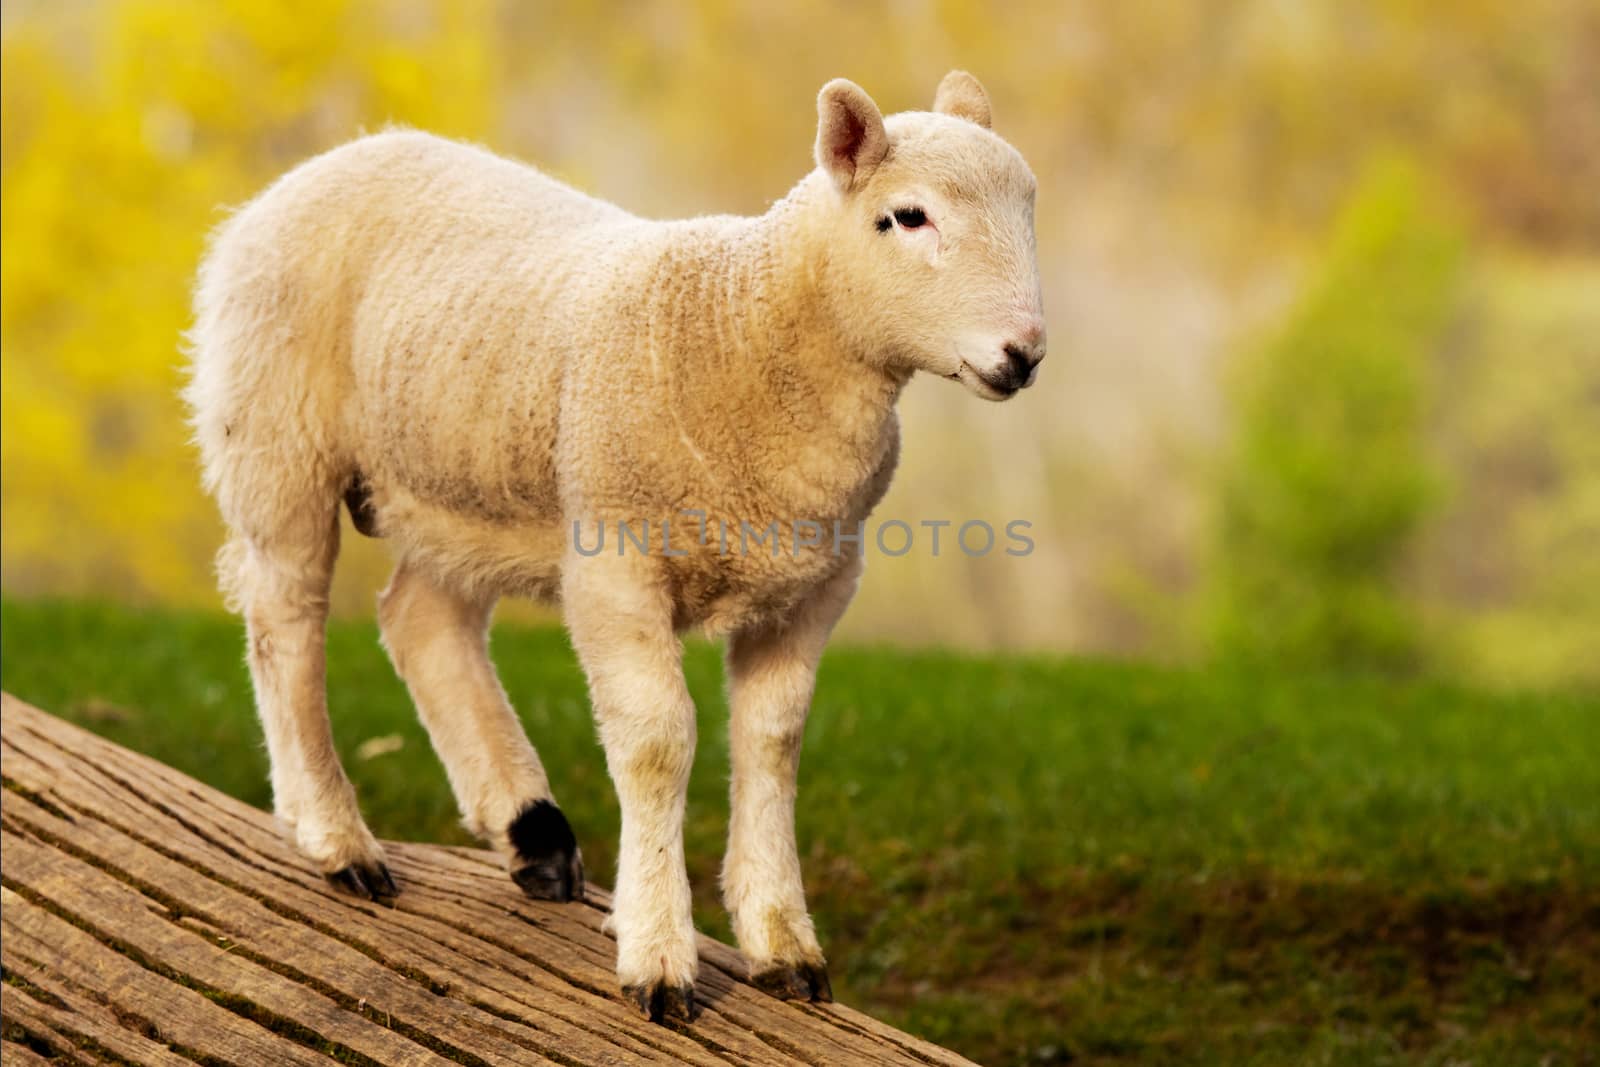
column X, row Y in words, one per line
column 1322, row 280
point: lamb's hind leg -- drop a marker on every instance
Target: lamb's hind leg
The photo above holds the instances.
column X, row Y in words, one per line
column 438, row 640
column 281, row 584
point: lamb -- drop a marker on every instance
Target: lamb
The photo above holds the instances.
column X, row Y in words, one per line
column 480, row 361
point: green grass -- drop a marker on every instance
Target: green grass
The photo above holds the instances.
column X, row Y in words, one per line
column 1037, row 860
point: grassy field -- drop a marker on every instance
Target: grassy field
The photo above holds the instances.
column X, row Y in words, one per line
column 1038, row 860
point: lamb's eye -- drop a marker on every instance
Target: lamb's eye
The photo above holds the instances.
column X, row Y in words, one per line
column 911, row 217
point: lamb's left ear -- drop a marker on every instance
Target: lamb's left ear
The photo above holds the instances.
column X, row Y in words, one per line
column 851, row 141
column 962, row 95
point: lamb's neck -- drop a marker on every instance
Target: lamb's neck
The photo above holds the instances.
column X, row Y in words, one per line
column 793, row 405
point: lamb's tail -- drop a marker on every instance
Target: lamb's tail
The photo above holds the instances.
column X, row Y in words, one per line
column 262, row 388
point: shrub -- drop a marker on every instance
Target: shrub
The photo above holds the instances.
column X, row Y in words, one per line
column 1327, row 480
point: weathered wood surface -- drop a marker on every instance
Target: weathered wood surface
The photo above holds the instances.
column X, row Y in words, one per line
column 150, row 919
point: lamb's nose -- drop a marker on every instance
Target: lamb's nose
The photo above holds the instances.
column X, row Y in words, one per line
column 1021, row 360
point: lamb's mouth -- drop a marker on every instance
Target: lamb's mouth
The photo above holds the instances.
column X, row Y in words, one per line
column 988, row 389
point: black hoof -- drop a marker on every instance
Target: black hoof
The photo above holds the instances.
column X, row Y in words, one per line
column 545, row 860
column 370, row 881
column 659, row 1002
column 796, row 981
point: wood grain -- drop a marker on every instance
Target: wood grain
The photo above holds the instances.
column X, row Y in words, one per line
column 150, row 919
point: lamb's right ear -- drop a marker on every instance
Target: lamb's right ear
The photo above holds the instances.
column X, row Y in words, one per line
column 851, row 140
column 962, row 95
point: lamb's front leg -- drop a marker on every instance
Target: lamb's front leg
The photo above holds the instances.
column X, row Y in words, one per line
column 771, row 673
column 621, row 625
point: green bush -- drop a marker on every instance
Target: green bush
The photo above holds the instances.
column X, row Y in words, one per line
column 1327, row 480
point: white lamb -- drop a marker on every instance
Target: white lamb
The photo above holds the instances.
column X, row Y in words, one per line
column 483, row 362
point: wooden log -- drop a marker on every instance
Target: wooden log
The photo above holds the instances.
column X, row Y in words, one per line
column 150, row 919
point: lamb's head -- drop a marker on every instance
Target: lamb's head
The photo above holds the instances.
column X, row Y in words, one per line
column 929, row 231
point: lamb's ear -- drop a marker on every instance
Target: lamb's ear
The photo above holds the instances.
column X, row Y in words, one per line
column 851, row 141
column 962, row 95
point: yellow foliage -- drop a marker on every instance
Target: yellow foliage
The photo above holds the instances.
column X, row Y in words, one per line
column 111, row 183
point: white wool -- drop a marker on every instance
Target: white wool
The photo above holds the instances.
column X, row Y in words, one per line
column 477, row 357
